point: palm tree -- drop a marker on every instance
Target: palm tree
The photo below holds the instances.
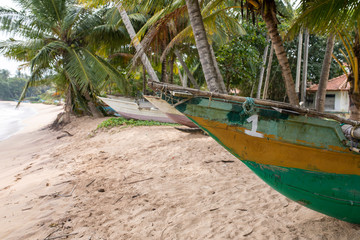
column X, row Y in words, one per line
column 207, row 62
column 341, row 17
column 59, row 46
column 169, row 26
column 268, row 70
column 136, row 42
column 324, row 77
column 305, row 66
column 129, row 27
column 262, row 71
column 268, row 11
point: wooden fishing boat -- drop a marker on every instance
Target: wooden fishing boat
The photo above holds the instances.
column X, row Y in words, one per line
column 170, row 111
column 132, row 109
column 301, row 153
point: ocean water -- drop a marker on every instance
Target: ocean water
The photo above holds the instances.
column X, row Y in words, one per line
column 11, row 118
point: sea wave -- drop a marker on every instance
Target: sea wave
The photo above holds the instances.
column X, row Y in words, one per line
column 11, row 118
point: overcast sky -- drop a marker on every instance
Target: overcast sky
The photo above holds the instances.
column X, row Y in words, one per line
column 5, row 63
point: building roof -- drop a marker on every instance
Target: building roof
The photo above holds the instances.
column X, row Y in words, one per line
column 336, row 84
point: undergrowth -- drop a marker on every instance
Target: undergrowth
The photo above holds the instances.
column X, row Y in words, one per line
column 119, row 121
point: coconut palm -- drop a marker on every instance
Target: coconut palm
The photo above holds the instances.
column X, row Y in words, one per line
column 60, row 40
column 324, row 76
column 268, row 10
column 341, row 17
column 170, row 26
column 121, row 8
column 206, row 57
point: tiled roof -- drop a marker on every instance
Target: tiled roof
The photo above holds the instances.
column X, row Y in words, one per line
column 336, row 84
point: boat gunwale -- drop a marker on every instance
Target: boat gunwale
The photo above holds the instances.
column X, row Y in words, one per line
column 270, row 103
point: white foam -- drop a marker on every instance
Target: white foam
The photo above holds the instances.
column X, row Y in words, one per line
column 11, row 118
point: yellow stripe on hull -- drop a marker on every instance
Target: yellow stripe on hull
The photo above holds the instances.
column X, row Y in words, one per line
column 269, row 151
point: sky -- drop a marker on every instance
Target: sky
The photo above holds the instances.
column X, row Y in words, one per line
column 5, row 63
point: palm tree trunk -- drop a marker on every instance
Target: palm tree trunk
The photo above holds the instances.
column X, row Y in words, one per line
column 68, row 105
column 203, row 46
column 144, row 79
column 171, row 69
column 218, row 73
column 305, row 66
column 355, row 96
column 183, row 79
column 268, row 71
column 271, row 24
column 186, row 69
column 252, row 90
column 262, row 70
column 93, row 110
column 163, row 71
column 298, row 64
column 136, row 43
column 324, row 77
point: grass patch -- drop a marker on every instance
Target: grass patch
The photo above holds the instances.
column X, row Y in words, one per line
column 119, row 121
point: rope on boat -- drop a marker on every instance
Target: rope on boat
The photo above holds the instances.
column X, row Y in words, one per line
column 248, row 106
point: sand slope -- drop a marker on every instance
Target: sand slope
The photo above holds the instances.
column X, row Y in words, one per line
column 143, row 183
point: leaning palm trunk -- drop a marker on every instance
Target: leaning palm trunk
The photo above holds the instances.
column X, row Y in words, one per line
column 68, row 105
column 186, row 69
column 271, row 24
column 203, row 47
column 63, row 118
column 136, row 43
column 324, row 77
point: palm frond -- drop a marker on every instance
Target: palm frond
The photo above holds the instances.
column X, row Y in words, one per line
column 77, row 69
column 34, row 80
column 105, row 71
column 45, row 56
column 322, row 16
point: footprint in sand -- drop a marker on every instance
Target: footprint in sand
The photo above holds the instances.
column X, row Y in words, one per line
column 26, row 168
column 18, row 177
column 7, row 187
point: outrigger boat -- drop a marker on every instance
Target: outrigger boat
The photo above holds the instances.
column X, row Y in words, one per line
column 132, row 109
column 299, row 152
column 170, row 111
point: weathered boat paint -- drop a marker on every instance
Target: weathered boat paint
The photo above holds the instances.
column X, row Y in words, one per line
column 129, row 109
column 305, row 158
column 170, row 111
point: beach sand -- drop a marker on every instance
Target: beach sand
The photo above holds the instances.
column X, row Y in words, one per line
column 142, row 183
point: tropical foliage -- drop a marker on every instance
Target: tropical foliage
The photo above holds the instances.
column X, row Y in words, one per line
column 119, row 121
column 341, row 17
column 60, row 40
column 11, row 87
column 84, row 52
column 239, row 62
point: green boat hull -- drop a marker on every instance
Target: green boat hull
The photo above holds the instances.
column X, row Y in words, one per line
column 306, row 159
column 330, row 194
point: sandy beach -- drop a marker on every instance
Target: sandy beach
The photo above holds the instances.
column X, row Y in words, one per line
column 140, row 183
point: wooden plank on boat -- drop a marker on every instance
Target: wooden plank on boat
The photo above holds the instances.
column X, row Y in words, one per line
column 304, row 111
